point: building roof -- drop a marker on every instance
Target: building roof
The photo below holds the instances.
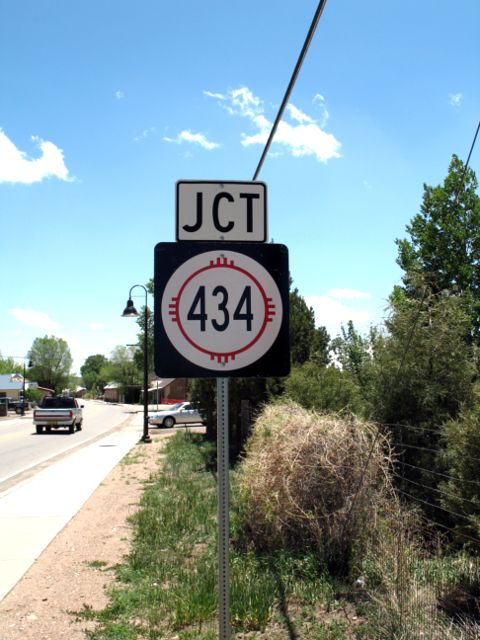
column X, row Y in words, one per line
column 14, row 382
column 7, row 384
column 160, row 383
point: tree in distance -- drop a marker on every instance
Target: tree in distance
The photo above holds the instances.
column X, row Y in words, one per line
column 90, row 372
column 122, row 369
column 8, row 365
column 52, row 363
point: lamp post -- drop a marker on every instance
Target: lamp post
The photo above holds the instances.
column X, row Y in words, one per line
column 130, row 312
column 23, row 398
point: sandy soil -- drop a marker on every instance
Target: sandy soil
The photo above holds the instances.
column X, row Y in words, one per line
column 76, row 567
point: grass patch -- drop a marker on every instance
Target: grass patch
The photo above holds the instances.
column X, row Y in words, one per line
column 167, row 587
column 134, row 456
column 398, row 587
column 97, row 564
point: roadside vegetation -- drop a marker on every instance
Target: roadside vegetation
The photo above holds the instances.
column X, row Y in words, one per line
column 167, row 586
column 355, row 481
column 312, row 557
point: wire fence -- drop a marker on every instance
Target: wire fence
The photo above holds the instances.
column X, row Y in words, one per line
column 431, row 573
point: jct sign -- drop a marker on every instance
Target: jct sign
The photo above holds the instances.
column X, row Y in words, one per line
column 225, row 211
column 221, row 310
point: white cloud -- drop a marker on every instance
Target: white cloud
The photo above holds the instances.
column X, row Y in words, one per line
column 119, row 95
column 210, row 94
column 455, row 99
column 195, row 138
column 298, row 115
column 319, row 102
column 302, row 136
column 245, row 103
column 145, row 134
column 349, row 294
column 300, row 140
column 17, row 167
column 37, row 319
column 332, row 314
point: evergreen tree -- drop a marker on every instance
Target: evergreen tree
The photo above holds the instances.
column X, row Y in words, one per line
column 442, row 253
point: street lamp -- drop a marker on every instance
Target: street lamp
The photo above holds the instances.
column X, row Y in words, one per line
column 23, row 398
column 130, row 312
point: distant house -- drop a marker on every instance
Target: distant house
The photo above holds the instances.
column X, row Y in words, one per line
column 167, row 390
column 112, row 392
column 45, row 391
column 161, row 391
column 11, row 386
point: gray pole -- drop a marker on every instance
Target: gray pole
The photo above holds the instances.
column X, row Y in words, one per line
column 146, row 436
column 23, row 399
column 223, row 510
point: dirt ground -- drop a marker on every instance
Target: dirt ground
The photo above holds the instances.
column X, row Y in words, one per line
column 76, row 567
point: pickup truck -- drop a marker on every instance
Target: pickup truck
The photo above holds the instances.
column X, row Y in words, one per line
column 58, row 412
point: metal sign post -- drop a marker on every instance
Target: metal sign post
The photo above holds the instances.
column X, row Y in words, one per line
column 221, row 311
column 223, row 510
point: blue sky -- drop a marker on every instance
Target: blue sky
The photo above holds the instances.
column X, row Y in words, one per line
column 104, row 106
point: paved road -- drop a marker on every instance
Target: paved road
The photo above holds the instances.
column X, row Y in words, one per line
column 23, row 451
column 33, row 511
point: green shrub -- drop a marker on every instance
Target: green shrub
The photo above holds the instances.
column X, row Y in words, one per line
column 461, row 493
column 324, row 389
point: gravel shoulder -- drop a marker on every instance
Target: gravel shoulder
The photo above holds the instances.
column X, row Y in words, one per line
column 76, row 568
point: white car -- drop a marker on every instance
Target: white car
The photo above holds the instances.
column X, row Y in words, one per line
column 181, row 413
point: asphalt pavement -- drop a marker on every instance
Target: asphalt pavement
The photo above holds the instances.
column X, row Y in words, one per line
column 33, row 512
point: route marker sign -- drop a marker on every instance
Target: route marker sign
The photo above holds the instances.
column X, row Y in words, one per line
column 221, row 211
column 221, row 310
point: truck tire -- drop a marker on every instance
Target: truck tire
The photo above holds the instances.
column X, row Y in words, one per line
column 79, row 425
column 71, row 428
column 39, row 429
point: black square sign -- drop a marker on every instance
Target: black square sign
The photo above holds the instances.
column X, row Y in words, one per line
column 221, row 310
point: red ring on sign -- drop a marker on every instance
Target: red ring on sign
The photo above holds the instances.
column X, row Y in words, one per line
column 222, row 264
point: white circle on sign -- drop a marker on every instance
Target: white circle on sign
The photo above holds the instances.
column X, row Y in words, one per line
column 221, row 310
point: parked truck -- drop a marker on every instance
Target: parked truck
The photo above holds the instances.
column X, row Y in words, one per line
column 58, row 412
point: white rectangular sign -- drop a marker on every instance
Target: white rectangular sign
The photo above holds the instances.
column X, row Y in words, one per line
column 224, row 211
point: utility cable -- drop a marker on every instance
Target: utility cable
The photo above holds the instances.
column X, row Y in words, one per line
column 473, row 145
column 293, row 79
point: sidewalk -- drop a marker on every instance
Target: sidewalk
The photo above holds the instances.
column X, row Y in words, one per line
column 33, row 512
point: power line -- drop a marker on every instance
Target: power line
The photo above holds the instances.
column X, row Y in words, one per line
column 473, row 145
column 293, row 79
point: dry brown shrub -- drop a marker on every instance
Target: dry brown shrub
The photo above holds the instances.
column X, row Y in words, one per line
column 311, row 481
